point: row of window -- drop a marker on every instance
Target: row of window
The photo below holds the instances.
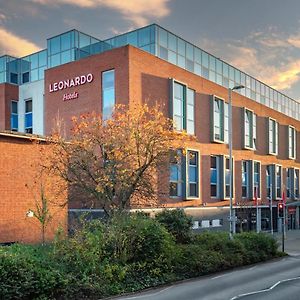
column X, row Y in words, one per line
column 182, row 106
column 184, row 177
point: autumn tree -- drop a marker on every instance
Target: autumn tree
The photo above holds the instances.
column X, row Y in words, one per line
column 114, row 161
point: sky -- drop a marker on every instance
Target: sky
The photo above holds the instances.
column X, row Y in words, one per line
column 260, row 37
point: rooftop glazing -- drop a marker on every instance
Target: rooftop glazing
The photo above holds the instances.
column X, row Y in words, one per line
column 74, row 45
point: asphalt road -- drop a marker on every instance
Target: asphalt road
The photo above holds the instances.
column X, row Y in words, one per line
column 274, row 280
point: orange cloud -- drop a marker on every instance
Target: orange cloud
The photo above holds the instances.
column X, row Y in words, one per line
column 138, row 11
column 15, row 45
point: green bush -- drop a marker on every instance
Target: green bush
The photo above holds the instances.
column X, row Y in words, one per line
column 127, row 253
column 23, row 277
column 259, row 246
column 177, row 223
column 233, row 251
column 196, row 261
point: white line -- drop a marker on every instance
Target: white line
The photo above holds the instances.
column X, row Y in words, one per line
column 265, row 290
column 219, row 276
column 155, row 294
column 252, row 268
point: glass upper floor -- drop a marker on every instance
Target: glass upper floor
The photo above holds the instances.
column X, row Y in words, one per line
column 74, row 45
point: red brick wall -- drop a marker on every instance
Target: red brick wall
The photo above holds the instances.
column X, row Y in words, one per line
column 8, row 92
column 20, row 187
column 89, row 99
column 141, row 77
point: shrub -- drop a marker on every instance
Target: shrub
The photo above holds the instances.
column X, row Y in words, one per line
column 259, row 246
column 22, row 277
column 233, row 250
column 195, row 261
column 177, row 223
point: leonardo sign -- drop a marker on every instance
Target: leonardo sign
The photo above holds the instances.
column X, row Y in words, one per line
column 68, row 83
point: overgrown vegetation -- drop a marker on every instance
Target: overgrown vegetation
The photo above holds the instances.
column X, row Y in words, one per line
column 126, row 253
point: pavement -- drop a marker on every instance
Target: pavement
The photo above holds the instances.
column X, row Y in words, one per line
column 291, row 242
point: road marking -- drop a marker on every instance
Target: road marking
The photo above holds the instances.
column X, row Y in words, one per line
column 265, row 290
column 252, row 268
column 143, row 296
column 220, row 276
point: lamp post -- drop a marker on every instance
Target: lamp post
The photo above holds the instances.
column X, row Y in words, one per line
column 237, row 87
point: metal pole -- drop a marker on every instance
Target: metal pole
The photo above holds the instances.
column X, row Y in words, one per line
column 282, row 229
column 230, row 165
column 271, row 209
column 257, row 225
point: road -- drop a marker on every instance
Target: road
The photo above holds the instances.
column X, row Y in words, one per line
column 281, row 277
column 276, row 280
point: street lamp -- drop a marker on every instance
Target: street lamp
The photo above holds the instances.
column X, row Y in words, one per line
column 231, row 229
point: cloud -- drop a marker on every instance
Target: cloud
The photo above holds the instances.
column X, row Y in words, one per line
column 137, row 11
column 15, row 45
column 270, row 56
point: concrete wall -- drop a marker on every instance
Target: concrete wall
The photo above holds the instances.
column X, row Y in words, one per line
column 34, row 91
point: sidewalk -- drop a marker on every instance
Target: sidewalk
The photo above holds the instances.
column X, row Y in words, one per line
column 291, row 242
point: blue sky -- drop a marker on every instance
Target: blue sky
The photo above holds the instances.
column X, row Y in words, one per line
column 261, row 37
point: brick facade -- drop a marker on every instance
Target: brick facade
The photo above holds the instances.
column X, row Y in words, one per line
column 20, row 189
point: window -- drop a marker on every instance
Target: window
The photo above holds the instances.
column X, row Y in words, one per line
column 220, row 177
column 214, row 176
column 292, row 142
column 28, row 116
column 296, row 184
column 193, row 173
column 274, row 181
column 289, row 187
column 278, row 181
column 25, row 77
column 220, row 120
column 273, row 136
column 183, row 107
column 227, row 178
column 249, row 129
column 184, row 174
column 269, row 181
column 14, row 116
column 245, row 179
column 175, row 174
column 256, row 178
column 108, row 93
column 292, row 183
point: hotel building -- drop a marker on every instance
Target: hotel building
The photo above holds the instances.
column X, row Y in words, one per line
column 78, row 73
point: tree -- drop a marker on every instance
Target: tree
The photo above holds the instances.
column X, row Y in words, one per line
column 41, row 212
column 115, row 161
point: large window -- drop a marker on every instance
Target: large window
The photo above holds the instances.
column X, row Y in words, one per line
column 249, row 129
column 220, row 177
column 175, row 174
column 183, row 107
column 184, row 174
column 245, row 179
column 193, row 173
column 250, row 179
column 220, row 120
column 14, row 116
column 274, row 181
column 292, row 142
column 292, row 183
column 28, row 116
column 273, row 136
column 108, row 93
column 256, row 178
column 278, row 170
column 214, row 176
